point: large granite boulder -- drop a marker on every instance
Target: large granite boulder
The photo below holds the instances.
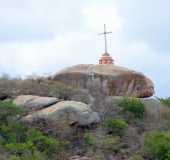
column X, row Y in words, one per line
column 33, row 103
column 66, row 113
column 114, row 80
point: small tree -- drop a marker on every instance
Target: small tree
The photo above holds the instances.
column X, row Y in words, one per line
column 88, row 139
column 116, row 126
column 157, row 145
column 8, row 111
column 133, row 106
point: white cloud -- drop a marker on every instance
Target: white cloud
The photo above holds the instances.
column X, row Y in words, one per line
column 139, row 56
column 103, row 13
column 38, row 19
column 25, row 58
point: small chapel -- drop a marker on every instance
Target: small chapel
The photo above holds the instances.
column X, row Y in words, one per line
column 106, row 59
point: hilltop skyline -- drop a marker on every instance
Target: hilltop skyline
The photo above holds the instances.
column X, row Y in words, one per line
column 45, row 36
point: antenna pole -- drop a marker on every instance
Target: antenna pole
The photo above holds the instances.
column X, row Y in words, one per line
column 105, row 37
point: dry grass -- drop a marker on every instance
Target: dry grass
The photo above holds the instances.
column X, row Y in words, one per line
column 157, row 115
column 41, row 87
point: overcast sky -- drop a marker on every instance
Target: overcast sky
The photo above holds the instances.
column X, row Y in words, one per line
column 44, row 36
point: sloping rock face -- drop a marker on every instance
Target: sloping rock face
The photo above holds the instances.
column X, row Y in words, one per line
column 67, row 113
column 113, row 80
column 33, row 103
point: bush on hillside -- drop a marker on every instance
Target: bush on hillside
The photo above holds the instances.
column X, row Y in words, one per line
column 157, row 145
column 35, row 141
column 133, row 106
column 136, row 157
column 111, row 143
column 30, row 156
column 21, row 141
column 8, row 111
column 104, row 142
column 43, row 143
column 115, row 126
column 29, row 141
column 89, row 139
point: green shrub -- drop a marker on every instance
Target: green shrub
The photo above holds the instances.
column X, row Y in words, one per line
column 88, row 139
column 34, row 141
column 8, row 111
column 14, row 158
column 157, row 145
column 43, row 143
column 30, row 156
column 136, row 157
column 13, row 132
column 133, row 106
column 116, row 126
column 111, row 143
column 21, row 141
column 20, row 148
column 10, row 129
column 165, row 101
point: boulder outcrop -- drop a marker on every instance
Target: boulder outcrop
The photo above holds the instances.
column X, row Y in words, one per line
column 113, row 80
column 33, row 103
column 66, row 113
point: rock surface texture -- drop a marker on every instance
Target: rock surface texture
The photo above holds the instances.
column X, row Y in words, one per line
column 67, row 113
column 33, row 103
column 113, row 80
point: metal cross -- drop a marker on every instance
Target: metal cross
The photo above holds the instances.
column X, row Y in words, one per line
column 105, row 37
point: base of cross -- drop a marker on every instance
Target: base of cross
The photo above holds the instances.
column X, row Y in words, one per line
column 106, row 59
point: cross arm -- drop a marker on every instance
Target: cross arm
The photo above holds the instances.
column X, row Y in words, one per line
column 105, row 33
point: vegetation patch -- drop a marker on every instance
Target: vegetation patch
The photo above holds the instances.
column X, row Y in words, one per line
column 20, row 141
column 8, row 112
column 115, row 126
column 133, row 106
column 89, row 139
column 136, row 157
column 165, row 101
column 111, row 143
column 157, row 145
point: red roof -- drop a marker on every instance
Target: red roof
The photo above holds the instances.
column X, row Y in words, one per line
column 106, row 59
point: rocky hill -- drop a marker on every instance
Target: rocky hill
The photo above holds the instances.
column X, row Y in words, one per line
column 112, row 80
column 119, row 133
column 75, row 115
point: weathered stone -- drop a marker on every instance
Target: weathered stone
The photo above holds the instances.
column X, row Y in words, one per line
column 114, row 80
column 67, row 113
column 33, row 103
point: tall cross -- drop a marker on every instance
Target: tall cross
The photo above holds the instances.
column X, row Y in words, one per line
column 105, row 37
